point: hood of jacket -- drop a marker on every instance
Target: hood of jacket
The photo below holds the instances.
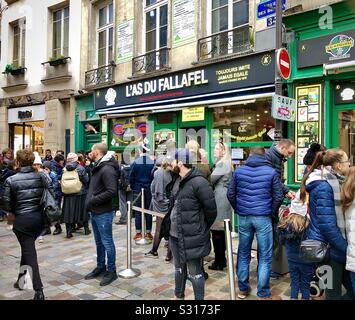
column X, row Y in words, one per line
column 256, row 161
column 316, row 177
column 71, row 166
column 107, row 160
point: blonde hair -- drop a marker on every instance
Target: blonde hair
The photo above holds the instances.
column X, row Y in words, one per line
column 299, row 224
column 226, row 157
column 348, row 190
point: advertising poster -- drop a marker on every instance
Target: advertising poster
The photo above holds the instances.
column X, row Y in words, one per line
column 184, row 22
column 308, row 123
column 125, row 41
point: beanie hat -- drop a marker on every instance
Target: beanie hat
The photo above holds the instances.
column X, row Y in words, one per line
column 72, row 157
column 311, row 154
column 47, row 164
column 183, row 155
column 38, row 159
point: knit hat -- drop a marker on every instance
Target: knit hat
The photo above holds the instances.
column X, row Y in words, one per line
column 183, row 155
column 46, row 164
column 38, row 159
column 72, row 157
column 311, row 154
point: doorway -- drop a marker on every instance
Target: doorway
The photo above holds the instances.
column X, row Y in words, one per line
column 346, row 132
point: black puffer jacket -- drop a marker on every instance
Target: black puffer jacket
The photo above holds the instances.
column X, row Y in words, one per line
column 196, row 212
column 22, row 196
column 103, row 186
column 276, row 160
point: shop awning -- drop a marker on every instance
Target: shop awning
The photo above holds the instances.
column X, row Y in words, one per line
column 210, row 100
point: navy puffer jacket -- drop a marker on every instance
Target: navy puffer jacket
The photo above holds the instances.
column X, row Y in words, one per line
column 323, row 226
column 255, row 188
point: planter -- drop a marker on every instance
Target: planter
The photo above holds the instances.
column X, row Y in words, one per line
column 17, row 72
column 58, row 62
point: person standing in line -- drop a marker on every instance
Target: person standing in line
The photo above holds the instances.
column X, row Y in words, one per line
column 48, row 155
column 348, row 206
column 22, row 197
column 74, row 187
column 255, row 193
column 102, row 189
column 160, row 201
column 191, row 214
column 220, row 179
column 5, row 172
column 323, row 185
column 8, row 156
column 140, row 177
column 124, row 193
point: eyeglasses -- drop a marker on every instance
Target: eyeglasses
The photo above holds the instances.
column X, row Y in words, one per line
column 347, row 161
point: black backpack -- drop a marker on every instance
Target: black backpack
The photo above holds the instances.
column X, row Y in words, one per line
column 123, row 181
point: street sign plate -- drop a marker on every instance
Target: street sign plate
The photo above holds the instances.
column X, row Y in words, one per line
column 267, row 8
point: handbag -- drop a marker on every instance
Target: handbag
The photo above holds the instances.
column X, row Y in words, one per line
column 313, row 251
column 50, row 206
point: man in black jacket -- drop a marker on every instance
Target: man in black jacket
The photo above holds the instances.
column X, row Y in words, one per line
column 102, row 189
column 191, row 217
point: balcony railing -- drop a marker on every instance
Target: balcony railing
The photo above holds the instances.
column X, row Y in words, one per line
column 233, row 41
column 155, row 60
column 101, row 76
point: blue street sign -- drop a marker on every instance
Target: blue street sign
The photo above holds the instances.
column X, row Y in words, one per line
column 267, row 8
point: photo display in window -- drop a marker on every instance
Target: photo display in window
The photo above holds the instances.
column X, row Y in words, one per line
column 308, row 125
column 128, row 131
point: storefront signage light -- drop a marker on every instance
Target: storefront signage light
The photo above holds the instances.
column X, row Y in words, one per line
column 340, row 46
column 195, row 78
column 344, row 93
column 283, row 108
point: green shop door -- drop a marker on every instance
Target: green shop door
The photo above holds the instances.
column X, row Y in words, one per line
column 91, row 139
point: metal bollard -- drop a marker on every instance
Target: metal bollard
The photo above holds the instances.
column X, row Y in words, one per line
column 143, row 241
column 230, row 264
column 129, row 272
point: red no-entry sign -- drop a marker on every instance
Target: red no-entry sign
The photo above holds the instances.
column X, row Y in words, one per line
column 284, row 63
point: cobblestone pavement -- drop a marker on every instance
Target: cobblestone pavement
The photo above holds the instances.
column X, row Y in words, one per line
column 64, row 262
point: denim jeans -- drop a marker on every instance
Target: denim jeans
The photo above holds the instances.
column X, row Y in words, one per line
column 301, row 277
column 102, row 227
column 195, row 270
column 138, row 215
column 262, row 227
column 352, row 276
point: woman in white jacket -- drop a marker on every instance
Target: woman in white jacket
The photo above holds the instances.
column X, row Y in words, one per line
column 348, row 204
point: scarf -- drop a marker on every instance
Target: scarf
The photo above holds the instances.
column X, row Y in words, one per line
column 336, row 180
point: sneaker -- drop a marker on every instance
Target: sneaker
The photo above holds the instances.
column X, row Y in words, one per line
column 40, row 239
column 138, row 236
column 243, row 294
column 108, row 278
column 121, row 223
column 94, row 274
column 178, row 298
column 168, row 259
column 148, row 236
column 151, row 254
column 57, row 231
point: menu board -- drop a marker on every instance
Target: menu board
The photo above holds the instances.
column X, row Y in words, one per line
column 308, row 123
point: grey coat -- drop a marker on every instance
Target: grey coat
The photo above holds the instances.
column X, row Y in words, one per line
column 220, row 178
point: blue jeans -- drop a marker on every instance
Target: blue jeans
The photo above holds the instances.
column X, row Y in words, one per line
column 102, row 227
column 352, row 277
column 138, row 215
column 301, row 277
column 195, row 270
column 262, row 227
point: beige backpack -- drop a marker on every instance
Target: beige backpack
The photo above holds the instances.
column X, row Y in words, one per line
column 70, row 182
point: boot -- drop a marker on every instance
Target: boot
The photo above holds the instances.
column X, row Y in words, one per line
column 58, row 229
column 39, row 295
column 69, row 229
column 86, row 228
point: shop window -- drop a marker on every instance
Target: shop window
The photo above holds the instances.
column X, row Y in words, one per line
column 92, row 127
column 245, row 123
column 346, row 130
column 128, row 131
column 60, row 33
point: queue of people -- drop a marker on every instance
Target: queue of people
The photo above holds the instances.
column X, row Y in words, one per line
column 194, row 200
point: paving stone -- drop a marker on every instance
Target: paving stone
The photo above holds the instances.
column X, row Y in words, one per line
column 86, row 296
column 102, row 295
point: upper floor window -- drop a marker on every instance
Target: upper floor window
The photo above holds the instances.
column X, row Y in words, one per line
column 61, row 32
column 228, row 14
column 156, row 25
column 19, row 31
column 105, row 35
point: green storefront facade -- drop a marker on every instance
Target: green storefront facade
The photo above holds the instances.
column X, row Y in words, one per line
column 322, row 82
